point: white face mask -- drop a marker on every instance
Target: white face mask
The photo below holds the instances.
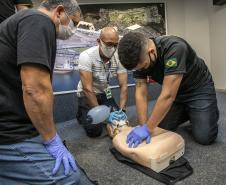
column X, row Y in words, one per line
column 108, row 51
column 65, row 32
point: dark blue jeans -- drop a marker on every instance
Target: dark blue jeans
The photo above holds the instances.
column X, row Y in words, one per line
column 83, row 109
column 28, row 162
column 200, row 108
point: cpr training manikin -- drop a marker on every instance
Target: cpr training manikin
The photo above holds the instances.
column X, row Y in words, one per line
column 165, row 146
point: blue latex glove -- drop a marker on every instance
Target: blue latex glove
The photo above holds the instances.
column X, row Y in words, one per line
column 117, row 115
column 137, row 135
column 57, row 149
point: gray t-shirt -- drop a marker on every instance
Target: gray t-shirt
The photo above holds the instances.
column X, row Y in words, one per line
column 89, row 60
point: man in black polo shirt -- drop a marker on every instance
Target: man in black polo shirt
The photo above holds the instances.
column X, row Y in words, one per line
column 8, row 7
column 31, row 152
column 187, row 93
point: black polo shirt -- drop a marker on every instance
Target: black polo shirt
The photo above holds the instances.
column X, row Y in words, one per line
column 175, row 56
column 26, row 37
column 7, row 7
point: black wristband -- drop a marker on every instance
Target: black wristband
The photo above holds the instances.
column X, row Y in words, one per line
column 124, row 110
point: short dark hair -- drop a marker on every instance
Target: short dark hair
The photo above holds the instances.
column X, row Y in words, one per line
column 130, row 48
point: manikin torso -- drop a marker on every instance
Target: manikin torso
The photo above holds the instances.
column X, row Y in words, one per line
column 164, row 146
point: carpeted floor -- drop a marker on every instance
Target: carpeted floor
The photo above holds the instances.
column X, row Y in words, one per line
column 208, row 162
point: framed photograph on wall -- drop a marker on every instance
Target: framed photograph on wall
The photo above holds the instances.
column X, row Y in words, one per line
column 148, row 18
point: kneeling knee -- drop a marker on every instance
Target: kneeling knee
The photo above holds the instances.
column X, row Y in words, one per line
column 205, row 139
column 93, row 130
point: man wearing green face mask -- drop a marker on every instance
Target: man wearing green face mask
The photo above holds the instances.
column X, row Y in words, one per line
column 31, row 151
column 96, row 66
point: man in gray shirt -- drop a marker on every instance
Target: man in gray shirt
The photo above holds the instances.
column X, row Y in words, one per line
column 96, row 66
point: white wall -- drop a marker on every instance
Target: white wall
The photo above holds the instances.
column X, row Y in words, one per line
column 218, row 44
column 204, row 27
column 189, row 19
column 175, row 17
column 197, row 28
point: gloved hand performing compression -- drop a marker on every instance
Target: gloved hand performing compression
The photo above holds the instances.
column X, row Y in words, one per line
column 57, row 149
column 137, row 135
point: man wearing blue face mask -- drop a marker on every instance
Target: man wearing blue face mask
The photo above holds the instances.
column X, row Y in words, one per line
column 96, row 66
column 31, row 151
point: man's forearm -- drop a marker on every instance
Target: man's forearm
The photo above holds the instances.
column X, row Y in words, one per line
column 141, row 96
column 92, row 99
column 141, row 108
column 123, row 97
column 162, row 106
column 39, row 107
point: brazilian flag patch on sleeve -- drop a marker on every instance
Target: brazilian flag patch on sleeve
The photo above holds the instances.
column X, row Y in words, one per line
column 171, row 63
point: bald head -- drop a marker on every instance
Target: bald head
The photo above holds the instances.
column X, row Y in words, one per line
column 108, row 42
column 109, row 35
column 108, row 32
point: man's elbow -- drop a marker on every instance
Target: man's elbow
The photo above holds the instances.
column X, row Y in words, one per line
column 87, row 90
column 124, row 87
column 170, row 98
column 35, row 91
column 141, row 97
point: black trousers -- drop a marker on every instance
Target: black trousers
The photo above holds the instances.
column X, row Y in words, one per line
column 83, row 109
column 200, row 108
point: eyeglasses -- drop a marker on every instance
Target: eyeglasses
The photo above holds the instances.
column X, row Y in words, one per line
column 67, row 16
column 76, row 18
column 109, row 44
